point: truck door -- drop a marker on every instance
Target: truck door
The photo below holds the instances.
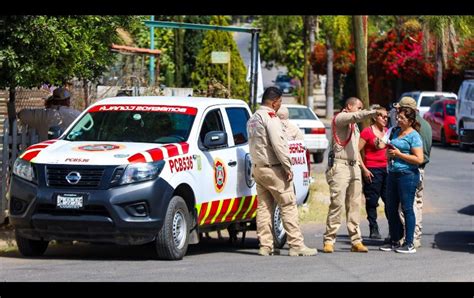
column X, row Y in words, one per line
column 218, row 184
column 237, row 118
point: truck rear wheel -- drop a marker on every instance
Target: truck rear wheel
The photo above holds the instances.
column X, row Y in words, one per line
column 279, row 233
column 173, row 239
column 29, row 247
column 318, row 157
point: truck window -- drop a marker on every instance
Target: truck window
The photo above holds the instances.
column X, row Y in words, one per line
column 132, row 126
column 238, row 118
column 213, row 121
column 470, row 93
column 450, row 109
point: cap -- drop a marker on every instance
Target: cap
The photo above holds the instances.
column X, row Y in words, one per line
column 283, row 113
column 407, row 102
column 60, row 94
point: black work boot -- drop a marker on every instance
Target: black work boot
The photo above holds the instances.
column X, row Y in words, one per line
column 374, row 233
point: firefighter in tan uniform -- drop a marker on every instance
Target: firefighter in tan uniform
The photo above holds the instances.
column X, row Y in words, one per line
column 272, row 172
column 344, row 175
column 292, row 131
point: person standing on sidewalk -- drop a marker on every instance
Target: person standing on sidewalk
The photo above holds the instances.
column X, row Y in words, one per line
column 272, row 173
column 426, row 137
column 344, row 175
column 57, row 112
column 291, row 130
column 406, row 155
column 374, row 168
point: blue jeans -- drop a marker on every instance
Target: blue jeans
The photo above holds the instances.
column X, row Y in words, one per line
column 401, row 188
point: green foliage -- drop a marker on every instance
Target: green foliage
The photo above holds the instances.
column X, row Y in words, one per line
column 205, row 71
column 166, row 42
column 338, row 29
column 193, row 44
column 54, row 49
column 281, row 42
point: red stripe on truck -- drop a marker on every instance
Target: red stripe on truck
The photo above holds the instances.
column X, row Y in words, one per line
column 143, row 108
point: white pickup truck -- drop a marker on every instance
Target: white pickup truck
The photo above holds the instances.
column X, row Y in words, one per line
column 133, row 170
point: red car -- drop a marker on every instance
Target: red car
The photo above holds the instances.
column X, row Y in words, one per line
column 442, row 119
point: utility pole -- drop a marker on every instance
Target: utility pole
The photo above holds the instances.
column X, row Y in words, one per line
column 361, row 61
column 310, row 102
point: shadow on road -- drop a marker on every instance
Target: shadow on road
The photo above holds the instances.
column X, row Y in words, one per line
column 108, row 252
column 468, row 210
column 459, row 241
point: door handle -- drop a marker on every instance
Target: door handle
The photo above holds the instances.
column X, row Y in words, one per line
column 232, row 163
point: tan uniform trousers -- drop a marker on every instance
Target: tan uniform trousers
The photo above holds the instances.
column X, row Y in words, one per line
column 417, row 207
column 345, row 186
column 272, row 186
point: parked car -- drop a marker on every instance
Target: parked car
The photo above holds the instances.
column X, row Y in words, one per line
column 284, row 83
column 441, row 116
column 424, row 100
column 465, row 115
column 312, row 128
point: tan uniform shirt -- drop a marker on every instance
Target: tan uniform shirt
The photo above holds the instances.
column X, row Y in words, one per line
column 267, row 140
column 292, row 131
column 343, row 128
column 43, row 119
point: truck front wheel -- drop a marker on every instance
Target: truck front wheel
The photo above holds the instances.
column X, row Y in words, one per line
column 173, row 239
column 29, row 247
column 279, row 233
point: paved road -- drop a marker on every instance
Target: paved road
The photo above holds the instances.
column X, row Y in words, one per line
column 446, row 255
column 243, row 43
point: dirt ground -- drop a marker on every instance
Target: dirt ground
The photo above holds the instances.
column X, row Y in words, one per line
column 7, row 237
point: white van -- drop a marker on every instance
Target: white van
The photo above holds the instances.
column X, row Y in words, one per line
column 424, row 100
column 465, row 115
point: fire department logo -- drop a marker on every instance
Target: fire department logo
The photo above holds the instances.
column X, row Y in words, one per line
column 220, row 175
column 99, row 147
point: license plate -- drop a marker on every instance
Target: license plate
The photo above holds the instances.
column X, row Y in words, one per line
column 70, row 201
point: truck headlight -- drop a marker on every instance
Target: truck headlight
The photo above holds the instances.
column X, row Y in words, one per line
column 452, row 126
column 139, row 172
column 23, row 169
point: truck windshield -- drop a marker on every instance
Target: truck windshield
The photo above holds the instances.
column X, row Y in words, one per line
column 132, row 124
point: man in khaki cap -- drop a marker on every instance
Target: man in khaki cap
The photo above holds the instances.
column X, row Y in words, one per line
column 57, row 112
column 291, row 130
column 273, row 176
column 344, row 174
column 426, row 137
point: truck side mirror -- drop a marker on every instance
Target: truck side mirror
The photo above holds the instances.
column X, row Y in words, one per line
column 215, row 139
column 54, row 132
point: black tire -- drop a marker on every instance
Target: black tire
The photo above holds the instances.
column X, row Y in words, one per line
column 29, row 247
column 173, row 238
column 443, row 139
column 318, row 157
column 463, row 147
column 279, row 233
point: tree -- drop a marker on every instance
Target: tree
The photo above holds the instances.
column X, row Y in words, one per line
column 205, row 71
column 192, row 46
column 360, row 45
column 281, row 43
column 445, row 30
column 47, row 49
column 336, row 31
